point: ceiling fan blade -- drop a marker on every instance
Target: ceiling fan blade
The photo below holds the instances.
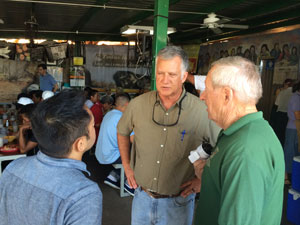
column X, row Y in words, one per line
column 223, row 20
column 192, row 29
column 187, row 23
column 216, row 30
column 234, row 26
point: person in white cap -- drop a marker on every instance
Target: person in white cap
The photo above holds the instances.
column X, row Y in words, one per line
column 25, row 101
column 47, row 94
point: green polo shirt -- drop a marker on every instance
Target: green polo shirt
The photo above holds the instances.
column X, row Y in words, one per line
column 242, row 182
column 160, row 153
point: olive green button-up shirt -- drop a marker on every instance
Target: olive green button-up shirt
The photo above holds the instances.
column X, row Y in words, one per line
column 164, row 138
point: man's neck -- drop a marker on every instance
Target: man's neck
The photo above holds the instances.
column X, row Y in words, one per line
column 239, row 112
column 75, row 156
column 168, row 102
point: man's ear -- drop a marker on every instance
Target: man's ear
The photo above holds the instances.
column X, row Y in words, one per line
column 80, row 144
column 184, row 77
column 227, row 94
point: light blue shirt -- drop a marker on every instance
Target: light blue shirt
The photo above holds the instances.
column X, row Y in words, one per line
column 41, row 190
column 107, row 150
column 47, row 82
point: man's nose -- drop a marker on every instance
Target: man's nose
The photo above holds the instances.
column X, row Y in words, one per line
column 165, row 78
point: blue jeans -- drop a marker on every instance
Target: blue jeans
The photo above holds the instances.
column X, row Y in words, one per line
column 290, row 148
column 162, row 211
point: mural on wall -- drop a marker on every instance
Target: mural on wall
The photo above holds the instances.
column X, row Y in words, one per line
column 279, row 51
column 15, row 76
column 107, row 66
column 192, row 51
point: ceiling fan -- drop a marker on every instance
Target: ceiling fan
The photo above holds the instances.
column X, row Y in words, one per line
column 215, row 23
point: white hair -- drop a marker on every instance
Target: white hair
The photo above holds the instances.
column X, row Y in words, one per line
column 169, row 52
column 239, row 74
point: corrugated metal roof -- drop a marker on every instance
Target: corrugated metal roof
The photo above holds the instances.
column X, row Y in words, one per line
column 58, row 19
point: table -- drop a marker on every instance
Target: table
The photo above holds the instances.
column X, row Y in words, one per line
column 9, row 157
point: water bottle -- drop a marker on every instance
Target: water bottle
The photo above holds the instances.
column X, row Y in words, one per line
column 202, row 152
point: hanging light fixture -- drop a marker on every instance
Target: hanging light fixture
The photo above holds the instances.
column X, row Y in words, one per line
column 132, row 29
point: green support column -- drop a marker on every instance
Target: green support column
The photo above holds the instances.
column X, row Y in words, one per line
column 160, row 33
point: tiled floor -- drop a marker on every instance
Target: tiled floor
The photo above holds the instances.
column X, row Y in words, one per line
column 116, row 210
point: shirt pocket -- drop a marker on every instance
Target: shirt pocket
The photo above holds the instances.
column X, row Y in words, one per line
column 182, row 144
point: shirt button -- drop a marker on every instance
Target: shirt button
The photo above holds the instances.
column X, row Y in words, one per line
column 165, row 129
column 167, row 114
column 154, row 178
column 162, row 146
column 158, row 162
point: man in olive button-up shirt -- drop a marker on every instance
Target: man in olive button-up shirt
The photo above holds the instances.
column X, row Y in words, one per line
column 168, row 124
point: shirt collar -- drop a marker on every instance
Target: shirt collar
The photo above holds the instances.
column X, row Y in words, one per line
column 183, row 94
column 62, row 162
column 242, row 122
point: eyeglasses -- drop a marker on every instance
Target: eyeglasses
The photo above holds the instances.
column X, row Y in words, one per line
column 167, row 125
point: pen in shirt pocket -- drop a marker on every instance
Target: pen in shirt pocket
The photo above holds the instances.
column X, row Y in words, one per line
column 182, row 134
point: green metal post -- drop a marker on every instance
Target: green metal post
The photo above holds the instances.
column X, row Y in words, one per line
column 160, row 33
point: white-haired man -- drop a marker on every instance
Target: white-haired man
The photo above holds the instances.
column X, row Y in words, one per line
column 167, row 124
column 242, row 182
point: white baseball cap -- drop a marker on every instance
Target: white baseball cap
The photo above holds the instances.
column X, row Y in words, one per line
column 25, row 101
column 47, row 94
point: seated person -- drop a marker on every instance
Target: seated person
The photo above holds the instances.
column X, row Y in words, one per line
column 27, row 142
column 47, row 94
column 96, row 110
column 36, row 96
column 107, row 150
column 23, row 101
column 51, row 187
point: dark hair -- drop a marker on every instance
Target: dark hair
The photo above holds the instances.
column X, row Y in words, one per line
column 264, row 45
column 92, row 93
column 87, row 89
column 87, row 92
column 22, row 95
column 27, row 110
column 43, row 66
column 58, row 121
column 36, row 93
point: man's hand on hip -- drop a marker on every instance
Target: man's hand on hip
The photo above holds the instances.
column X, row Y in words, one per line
column 190, row 187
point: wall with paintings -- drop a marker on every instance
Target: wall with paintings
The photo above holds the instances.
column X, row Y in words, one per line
column 280, row 51
column 276, row 54
column 192, row 51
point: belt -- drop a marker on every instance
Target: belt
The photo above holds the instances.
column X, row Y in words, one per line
column 157, row 195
